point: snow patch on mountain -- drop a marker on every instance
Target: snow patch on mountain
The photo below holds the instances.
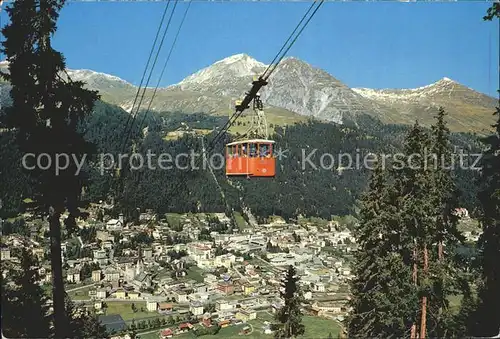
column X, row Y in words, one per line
column 239, row 65
column 89, row 75
column 242, row 60
column 409, row 94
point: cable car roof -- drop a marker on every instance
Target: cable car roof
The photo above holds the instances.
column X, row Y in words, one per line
column 251, row 141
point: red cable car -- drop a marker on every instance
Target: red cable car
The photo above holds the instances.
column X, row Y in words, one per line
column 251, row 158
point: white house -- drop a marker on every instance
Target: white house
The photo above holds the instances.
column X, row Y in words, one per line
column 101, row 294
column 114, row 225
column 196, row 309
column 151, row 306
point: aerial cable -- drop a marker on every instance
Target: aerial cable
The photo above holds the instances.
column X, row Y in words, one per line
column 286, row 42
column 165, row 65
column 150, row 74
column 272, row 67
column 145, row 70
column 266, row 76
column 254, row 90
column 223, row 130
column 128, row 128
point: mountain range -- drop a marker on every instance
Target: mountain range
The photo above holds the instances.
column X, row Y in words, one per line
column 296, row 91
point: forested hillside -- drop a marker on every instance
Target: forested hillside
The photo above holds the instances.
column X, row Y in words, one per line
column 295, row 190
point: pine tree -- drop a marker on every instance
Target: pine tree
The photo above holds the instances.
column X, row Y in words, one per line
column 384, row 299
column 493, row 11
column 445, row 191
column 486, row 318
column 289, row 316
column 132, row 330
column 413, row 188
column 464, row 320
column 403, row 274
column 447, row 278
column 82, row 324
column 24, row 305
column 46, row 113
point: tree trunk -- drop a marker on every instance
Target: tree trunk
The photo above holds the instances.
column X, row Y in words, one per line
column 54, row 209
column 440, row 251
column 57, row 278
column 413, row 333
column 423, row 320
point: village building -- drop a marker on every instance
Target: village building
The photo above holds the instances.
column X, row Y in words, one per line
column 151, row 306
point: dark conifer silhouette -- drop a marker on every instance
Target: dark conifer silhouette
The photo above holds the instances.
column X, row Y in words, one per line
column 487, row 322
column 46, row 113
column 384, row 298
column 25, row 312
column 289, row 316
column 482, row 314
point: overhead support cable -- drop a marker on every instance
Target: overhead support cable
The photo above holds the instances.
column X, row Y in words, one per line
column 272, row 67
column 262, row 80
column 144, row 74
column 128, row 134
column 165, row 65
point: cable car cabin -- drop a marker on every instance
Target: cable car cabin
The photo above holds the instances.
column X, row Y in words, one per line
column 253, row 158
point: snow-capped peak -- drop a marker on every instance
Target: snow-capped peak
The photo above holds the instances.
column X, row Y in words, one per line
column 227, row 69
column 444, row 85
column 86, row 74
column 240, row 58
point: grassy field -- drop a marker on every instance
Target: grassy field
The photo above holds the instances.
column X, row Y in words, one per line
column 195, row 273
column 242, row 224
column 320, row 328
column 82, row 294
column 275, row 117
column 316, row 328
column 174, row 135
column 152, row 335
column 125, row 310
column 174, row 218
column 261, row 318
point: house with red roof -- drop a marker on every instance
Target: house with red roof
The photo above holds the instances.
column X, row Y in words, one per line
column 167, row 333
column 185, row 327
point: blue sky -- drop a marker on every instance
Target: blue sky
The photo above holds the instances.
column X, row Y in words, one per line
column 363, row 44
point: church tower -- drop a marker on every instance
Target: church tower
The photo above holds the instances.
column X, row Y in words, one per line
column 139, row 267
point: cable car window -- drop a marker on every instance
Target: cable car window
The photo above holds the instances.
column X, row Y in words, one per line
column 244, row 150
column 253, row 150
column 264, row 150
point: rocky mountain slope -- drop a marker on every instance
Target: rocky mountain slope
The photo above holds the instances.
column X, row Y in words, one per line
column 468, row 109
column 298, row 90
column 295, row 86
